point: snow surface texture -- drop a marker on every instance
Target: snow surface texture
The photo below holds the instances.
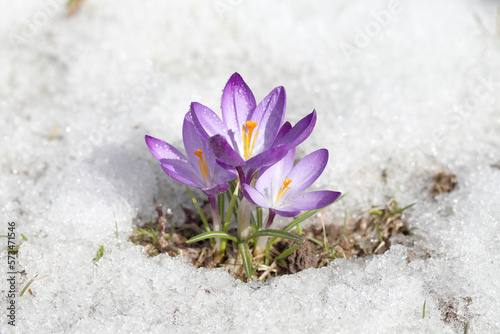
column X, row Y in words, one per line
column 403, row 86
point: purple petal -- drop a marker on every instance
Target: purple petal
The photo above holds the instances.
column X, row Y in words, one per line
column 285, row 128
column 218, row 189
column 268, row 157
column 162, row 150
column 238, row 103
column 254, row 196
column 224, row 152
column 194, row 141
column 173, row 162
column 269, row 115
column 312, row 200
column 206, row 121
column 305, row 172
column 300, row 131
column 287, row 212
column 182, row 173
column 270, row 180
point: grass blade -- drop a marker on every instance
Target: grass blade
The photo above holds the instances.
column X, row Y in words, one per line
column 403, row 209
column 276, row 233
column 287, row 252
column 212, row 234
column 247, row 260
column 200, row 212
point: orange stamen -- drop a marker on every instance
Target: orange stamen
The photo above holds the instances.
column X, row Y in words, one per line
column 202, row 163
column 248, row 144
column 285, row 187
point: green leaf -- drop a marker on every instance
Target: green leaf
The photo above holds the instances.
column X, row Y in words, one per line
column 316, row 241
column 200, row 212
column 307, row 214
column 253, row 223
column 230, row 210
column 403, row 209
column 287, row 252
column 24, row 237
column 153, row 235
column 99, row 254
column 231, row 207
column 212, row 234
column 277, row 234
column 247, row 259
column 221, row 201
column 268, row 250
column 258, row 211
column 27, row 285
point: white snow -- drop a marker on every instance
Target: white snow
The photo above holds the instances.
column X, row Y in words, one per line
column 409, row 87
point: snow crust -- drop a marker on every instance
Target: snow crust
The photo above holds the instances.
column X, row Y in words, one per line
column 419, row 93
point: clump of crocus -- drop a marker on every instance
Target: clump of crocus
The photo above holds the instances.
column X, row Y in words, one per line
column 249, row 154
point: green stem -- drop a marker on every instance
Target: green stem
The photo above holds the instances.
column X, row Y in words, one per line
column 200, row 212
column 229, row 213
column 244, row 212
column 215, row 219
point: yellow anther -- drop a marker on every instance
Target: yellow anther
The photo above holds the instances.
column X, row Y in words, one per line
column 202, row 163
column 284, row 188
column 248, row 143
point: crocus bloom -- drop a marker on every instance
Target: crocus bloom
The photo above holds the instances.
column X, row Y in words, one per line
column 247, row 136
column 280, row 187
column 199, row 169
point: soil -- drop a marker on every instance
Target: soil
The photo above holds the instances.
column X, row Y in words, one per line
column 443, row 183
column 369, row 234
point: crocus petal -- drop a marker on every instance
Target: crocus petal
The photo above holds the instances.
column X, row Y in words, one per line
column 285, row 128
column 255, row 197
column 269, row 115
column 268, row 157
column 218, row 189
column 305, row 172
column 237, row 104
column 300, row 131
column 312, row 200
column 224, row 152
column 173, row 162
column 181, row 172
column 162, row 150
column 193, row 141
column 206, row 121
column 287, row 212
column 271, row 179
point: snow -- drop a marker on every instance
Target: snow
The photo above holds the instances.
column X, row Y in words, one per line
column 411, row 88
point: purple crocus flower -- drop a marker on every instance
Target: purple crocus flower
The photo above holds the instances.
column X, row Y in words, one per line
column 199, row 169
column 280, row 187
column 247, row 136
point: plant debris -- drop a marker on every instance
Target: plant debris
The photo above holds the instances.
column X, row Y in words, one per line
column 368, row 234
column 455, row 311
column 443, row 183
